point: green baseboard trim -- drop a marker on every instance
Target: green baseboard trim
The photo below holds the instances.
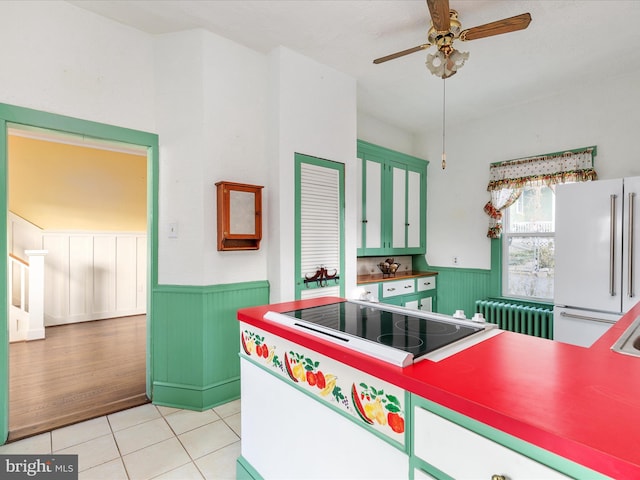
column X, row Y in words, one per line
column 244, row 470
column 192, row 397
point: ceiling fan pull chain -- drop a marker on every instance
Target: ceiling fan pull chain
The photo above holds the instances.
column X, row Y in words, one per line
column 444, row 96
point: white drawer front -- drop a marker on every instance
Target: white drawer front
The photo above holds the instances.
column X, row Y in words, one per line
column 370, row 289
column 398, row 287
column 442, row 444
column 426, row 283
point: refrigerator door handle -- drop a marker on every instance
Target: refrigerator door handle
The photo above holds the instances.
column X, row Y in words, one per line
column 586, row 317
column 612, row 246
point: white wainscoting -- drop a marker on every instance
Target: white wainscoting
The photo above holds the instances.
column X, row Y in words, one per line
column 88, row 275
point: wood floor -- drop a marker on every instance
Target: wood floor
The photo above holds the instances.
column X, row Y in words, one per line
column 80, row 371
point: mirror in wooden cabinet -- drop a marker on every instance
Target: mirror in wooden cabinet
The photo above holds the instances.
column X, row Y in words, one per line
column 239, row 216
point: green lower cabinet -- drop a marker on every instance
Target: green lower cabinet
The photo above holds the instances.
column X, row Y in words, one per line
column 447, row 445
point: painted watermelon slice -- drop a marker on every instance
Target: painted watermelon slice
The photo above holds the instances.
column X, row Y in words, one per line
column 244, row 344
column 358, row 405
column 288, row 367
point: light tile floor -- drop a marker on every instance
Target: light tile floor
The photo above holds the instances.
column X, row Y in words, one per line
column 147, row 442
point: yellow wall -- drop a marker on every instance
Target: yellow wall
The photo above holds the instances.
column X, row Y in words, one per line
column 67, row 187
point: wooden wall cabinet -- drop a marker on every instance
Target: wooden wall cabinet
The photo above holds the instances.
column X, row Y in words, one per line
column 239, row 210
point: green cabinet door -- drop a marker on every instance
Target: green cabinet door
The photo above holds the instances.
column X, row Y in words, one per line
column 392, row 188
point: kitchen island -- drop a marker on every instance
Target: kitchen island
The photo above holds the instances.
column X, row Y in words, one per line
column 511, row 405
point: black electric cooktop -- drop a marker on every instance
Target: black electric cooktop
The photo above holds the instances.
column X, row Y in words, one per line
column 413, row 334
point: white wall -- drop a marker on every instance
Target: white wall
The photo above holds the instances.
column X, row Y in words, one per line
column 204, row 95
column 61, row 59
column 313, row 112
column 605, row 114
column 235, row 148
column 378, row 132
column 208, row 99
column 211, row 113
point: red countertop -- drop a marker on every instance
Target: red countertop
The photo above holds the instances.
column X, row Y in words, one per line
column 580, row 403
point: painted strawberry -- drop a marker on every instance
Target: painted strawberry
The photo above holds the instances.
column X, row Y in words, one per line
column 312, row 378
column 321, row 382
column 396, row 422
column 259, row 350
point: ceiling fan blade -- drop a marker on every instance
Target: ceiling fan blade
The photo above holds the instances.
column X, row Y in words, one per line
column 402, row 53
column 506, row 25
column 439, row 10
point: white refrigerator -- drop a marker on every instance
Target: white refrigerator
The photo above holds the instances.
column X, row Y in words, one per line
column 596, row 257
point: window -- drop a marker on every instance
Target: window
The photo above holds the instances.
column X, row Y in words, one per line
column 528, row 245
column 522, row 213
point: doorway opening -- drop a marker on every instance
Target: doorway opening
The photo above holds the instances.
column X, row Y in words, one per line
column 80, row 204
column 95, row 306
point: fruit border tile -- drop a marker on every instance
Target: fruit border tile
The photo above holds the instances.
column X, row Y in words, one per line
column 367, row 400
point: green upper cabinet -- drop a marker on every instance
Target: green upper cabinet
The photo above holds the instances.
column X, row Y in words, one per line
column 392, row 187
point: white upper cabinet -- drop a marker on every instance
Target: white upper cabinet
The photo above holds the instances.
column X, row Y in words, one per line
column 392, row 210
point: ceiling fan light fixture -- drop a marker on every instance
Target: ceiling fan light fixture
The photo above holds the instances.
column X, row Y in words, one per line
column 444, row 65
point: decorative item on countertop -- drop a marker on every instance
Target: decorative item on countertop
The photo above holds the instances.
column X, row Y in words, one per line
column 388, row 267
column 459, row 314
column 321, row 277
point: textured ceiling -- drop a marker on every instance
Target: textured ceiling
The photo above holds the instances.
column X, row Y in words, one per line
column 567, row 42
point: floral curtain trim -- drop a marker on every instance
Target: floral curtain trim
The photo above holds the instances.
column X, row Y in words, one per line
column 507, row 179
column 554, row 179
column 551, row 169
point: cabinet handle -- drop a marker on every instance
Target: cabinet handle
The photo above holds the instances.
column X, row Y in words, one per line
column 390, row 289
column 365, row 221
column 408, row 286
column 426, row 283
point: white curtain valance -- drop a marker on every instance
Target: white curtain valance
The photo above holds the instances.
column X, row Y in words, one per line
column 550, row 169
column 507, row 179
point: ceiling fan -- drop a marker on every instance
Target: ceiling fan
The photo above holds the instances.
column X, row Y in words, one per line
column 445, row 28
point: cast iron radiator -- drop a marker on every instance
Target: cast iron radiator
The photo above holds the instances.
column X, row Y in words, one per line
column 536, row 321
